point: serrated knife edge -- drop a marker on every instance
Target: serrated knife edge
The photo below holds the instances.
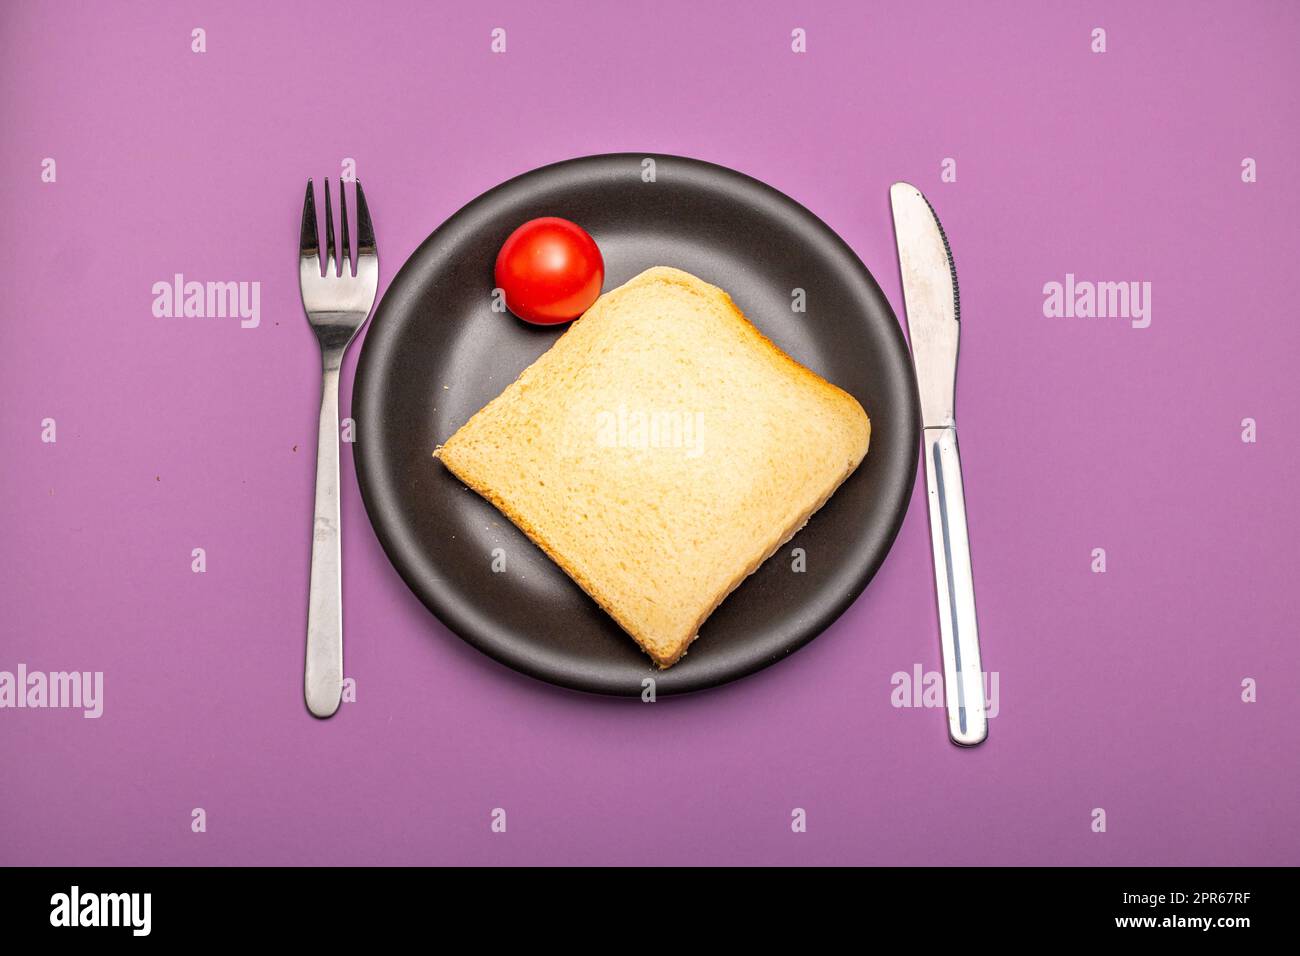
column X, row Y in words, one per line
column 930, row 294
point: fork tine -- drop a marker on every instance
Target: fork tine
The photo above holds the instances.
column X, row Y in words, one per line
column 345, row 246
column 329, row 231
column 309, row 244
column 365, row 232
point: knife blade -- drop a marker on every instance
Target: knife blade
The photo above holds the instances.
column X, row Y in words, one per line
column 933, row 305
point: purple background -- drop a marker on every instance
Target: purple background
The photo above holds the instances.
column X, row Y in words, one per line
column 1117, row 690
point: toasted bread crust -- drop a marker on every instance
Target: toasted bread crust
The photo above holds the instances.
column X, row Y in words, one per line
column 742, row 322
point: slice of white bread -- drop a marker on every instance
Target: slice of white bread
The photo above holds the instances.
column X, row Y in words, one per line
column 660, row 451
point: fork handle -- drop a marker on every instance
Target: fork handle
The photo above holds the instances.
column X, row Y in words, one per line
column 323, row 681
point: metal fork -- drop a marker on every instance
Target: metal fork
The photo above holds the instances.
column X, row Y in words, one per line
column 337, row 301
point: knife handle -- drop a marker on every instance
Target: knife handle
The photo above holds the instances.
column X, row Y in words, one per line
column 963, row 678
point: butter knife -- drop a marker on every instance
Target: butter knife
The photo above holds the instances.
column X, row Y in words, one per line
column 933, row 322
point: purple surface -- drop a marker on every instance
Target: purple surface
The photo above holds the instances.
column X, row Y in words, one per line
column 1119, row 691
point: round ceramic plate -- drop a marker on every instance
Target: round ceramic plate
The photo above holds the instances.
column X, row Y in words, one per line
column 436, row 352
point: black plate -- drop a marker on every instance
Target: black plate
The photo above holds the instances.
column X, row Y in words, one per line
column 436, row 352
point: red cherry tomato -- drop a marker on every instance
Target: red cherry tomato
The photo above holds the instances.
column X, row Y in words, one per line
column 550, row 270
